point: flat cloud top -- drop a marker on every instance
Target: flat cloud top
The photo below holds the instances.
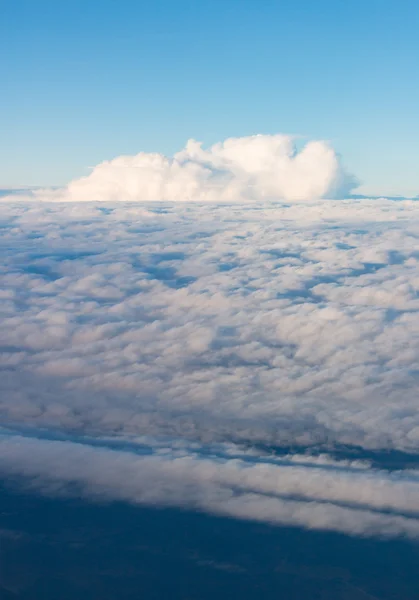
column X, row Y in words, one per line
column 268, row 324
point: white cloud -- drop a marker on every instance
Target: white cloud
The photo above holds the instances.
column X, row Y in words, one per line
column 237, row 170
column 293, row 491
column 285, row 325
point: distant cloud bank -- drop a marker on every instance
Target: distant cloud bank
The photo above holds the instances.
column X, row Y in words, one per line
column 244, row 169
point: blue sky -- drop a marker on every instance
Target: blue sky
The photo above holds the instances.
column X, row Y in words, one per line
column 86, row 81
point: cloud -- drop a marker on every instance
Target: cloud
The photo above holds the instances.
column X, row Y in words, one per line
column 269, row 325
column 287, row 325
column 242, row 169
column 295, row 490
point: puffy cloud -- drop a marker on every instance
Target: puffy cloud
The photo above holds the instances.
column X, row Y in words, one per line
column 282, row 324
column 267, row 324
column 250, row 168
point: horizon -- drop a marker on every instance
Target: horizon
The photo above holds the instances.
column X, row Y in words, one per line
column 86, row 84
column 209, row 300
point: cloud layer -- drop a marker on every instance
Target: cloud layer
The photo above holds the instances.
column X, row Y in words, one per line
column 242, row 169
column 270, row 325
column 282, row 324
column 296, row 490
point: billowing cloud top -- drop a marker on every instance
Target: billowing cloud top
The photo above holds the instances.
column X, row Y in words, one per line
column 239, row 169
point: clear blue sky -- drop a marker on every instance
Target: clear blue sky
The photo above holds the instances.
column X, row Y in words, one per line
column 86, row 80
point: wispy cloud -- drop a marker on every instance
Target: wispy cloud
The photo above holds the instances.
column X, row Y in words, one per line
column 317, row 494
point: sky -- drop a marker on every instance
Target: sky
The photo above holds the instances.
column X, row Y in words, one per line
column 208, row 305
column 85, row 82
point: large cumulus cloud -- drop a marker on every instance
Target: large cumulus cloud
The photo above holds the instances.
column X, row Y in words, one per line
column 249, row 168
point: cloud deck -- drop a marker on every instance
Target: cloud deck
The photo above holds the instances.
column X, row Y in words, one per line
column 271, row 323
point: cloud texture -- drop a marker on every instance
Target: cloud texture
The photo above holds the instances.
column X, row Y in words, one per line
column 296, row 490
column 242, row 169
column 270, row 325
